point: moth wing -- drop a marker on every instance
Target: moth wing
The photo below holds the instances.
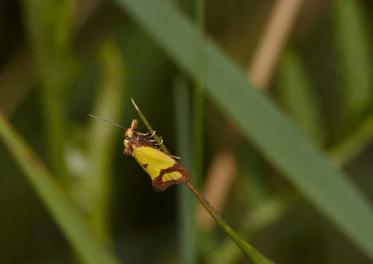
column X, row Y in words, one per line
column 163, row 170
column 152, row 160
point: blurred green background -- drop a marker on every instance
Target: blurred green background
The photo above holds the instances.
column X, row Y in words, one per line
column 61, row 60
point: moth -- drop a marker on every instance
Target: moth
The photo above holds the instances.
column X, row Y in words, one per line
column 162, row 168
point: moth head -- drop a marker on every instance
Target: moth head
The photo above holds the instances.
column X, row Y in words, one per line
column 129, row 135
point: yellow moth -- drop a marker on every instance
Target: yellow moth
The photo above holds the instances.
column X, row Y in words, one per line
column 162, row 168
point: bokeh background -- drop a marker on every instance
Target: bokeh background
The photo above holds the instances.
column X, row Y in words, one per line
column 62, row 60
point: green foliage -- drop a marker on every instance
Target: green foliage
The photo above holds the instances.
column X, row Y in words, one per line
column 95, row 189
column 298, row 97
column 49, row 25
column 62, row 60
column 250, row 252
column 55, row 199
column 272, row 133
column 352, row 43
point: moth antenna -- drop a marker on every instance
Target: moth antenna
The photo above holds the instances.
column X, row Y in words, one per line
column 134, row 104
column 106, row 120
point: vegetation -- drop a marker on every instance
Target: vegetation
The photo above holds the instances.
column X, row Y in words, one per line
column 268, row 104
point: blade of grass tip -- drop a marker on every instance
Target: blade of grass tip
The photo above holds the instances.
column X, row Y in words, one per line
column 257, row 219
column 186, row 202
column 247, row 249
column 95, row 189
column 150, row 128
column 55, row 199
column 280, row 141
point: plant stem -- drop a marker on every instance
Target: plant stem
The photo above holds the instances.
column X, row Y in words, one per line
column 187, row 227
column 150, row 128
column 248, row 250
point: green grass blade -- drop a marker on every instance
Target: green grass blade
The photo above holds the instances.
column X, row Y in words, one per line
column 261, row 122
column 297, row 96
column 96, row 188
column 352, row 43
column 56, row 201
column 49, row 25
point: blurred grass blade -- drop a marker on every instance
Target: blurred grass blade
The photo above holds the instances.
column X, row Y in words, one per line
column 95, row 190
column 186, row 202
column 261, row 122
column 352, row 42
column 343, row 152
column 54, row 198
column 297, row 96
column 49, row 24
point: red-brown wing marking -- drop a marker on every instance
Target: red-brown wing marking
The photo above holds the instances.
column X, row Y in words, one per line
column 158, row 183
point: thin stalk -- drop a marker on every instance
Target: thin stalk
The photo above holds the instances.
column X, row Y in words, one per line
column 186, row 202
column 150, row 128
column 247, row 249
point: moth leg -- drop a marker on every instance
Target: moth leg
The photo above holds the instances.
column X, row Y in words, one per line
column 151, row 135
column 160, row 141
column 148, row 134
column 151, row 139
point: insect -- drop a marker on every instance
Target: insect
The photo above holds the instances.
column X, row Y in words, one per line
column 162, row 168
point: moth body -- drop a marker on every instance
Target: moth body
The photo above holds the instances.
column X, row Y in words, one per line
column 163, row 169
